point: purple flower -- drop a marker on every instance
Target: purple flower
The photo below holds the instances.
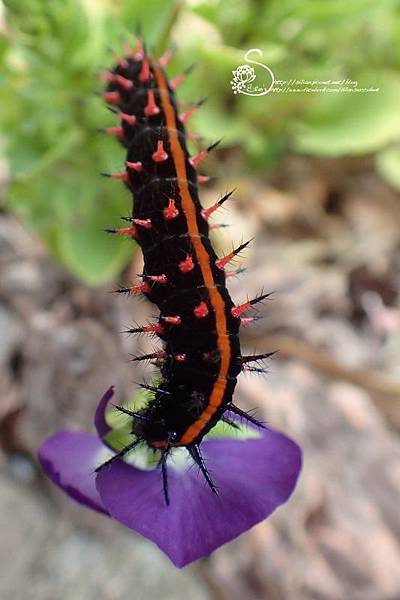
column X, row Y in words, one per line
column 254, row 476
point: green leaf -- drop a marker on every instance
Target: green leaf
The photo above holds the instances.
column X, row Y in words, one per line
column 154, row 19
column 143, row 457
column 88, row 252
column 388, row 165
column 223, row 430
column 352, row 123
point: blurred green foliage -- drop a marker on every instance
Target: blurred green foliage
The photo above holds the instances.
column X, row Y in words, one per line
column 51, row 53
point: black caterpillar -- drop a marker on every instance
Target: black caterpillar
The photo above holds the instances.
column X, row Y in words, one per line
column 183, row 276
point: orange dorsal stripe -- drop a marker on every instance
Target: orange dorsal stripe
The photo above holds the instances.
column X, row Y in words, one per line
column 203, row 260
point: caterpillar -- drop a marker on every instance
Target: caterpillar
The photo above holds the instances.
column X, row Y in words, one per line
column 198, row 321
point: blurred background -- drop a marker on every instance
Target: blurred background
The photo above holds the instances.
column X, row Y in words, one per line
column 318, row 185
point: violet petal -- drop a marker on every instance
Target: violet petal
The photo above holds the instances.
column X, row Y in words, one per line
column 100, row 422
column 69, row 459
column 253, row 476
